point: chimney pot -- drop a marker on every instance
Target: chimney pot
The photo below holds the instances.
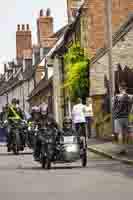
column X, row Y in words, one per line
column 41, row 12
column 18, row 27
column 28, row 27
column 23, row 27
column 48, row 12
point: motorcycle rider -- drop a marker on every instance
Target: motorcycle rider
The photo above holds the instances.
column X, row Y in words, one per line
column 51, row 127
column 12, row 115
column 36, row 120
column 67, row 127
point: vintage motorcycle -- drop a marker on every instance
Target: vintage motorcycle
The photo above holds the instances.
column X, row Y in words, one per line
column 30, row 135
column 17, row 136
column 57, row 148
column 47, row 145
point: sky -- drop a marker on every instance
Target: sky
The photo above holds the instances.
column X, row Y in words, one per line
column 13, row 12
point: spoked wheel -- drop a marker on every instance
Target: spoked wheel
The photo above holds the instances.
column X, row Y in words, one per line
column 84, row 159
column 15, row 150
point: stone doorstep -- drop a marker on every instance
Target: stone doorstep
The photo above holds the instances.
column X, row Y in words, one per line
column 110, row 155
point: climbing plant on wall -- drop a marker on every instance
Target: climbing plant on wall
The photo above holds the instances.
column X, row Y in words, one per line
column 77, row 71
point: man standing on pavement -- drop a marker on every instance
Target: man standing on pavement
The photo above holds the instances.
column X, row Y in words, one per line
column 121, row 109
column 78, row 117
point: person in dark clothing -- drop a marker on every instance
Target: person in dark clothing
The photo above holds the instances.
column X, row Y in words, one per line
column 14, row 112
column 52, row 128
column 36, row 121
column 13, row 115
column 121, row 109
column 67, row 127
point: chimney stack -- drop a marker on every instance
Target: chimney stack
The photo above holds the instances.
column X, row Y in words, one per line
column 23, row 41
column 44, row 26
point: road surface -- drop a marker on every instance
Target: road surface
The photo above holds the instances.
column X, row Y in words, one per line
column 23, row 179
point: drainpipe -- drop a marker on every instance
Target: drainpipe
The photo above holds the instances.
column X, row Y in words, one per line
column 63, row 79
column 7, row 100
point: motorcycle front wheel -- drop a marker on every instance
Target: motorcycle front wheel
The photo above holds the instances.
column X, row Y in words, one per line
column 17, row 142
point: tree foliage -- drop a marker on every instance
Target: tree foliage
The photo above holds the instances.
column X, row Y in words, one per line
column 77, row 71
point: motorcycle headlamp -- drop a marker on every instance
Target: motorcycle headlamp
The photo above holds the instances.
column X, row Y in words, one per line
column 29, row 128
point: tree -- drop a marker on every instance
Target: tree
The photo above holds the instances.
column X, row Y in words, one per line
column 77, row 72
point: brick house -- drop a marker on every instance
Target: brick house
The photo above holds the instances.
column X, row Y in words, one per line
column 95, row 18
column 122, row 57
column 62, row 103
column 48, row 88
column 87, row 25
column 18, row 75
column 22, row 76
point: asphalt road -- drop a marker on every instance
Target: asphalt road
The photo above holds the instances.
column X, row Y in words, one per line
column 23, row 179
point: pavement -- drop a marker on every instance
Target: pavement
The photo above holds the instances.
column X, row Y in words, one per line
column 22, row 178
column 111, row 150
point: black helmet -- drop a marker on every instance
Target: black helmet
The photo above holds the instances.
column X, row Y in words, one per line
column 14, row 101
column 67, row 122
column 18, row 101
column 50, row 119
column 35, row 109
column 35, row 113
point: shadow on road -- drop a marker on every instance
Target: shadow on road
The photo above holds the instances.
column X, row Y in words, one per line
column 52, row 168
column 114, row 167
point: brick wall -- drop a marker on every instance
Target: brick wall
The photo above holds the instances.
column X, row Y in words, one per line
column 122, row 53
column 44, row 27
column 23, row 40
column 96, row 19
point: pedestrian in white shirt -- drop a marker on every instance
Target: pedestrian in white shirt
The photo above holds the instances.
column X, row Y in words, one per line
column 78, row 117
column 89, row 116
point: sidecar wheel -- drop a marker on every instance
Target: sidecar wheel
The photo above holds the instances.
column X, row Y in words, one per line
column 84, row 159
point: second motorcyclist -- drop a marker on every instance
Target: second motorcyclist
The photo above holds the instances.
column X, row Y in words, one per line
column 13, row 114
column 52, row 128
column 36, row 120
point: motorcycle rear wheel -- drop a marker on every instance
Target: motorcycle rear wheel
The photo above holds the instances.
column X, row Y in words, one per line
column 48, row 164
column 43, row 163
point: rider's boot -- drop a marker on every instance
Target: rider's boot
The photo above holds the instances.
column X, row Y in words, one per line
column 8, row 148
